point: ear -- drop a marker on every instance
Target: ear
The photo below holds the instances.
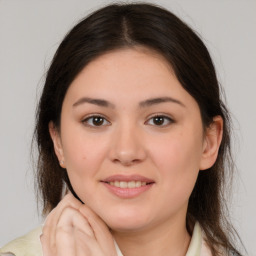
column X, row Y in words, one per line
column 212, row 141
column 57, row 144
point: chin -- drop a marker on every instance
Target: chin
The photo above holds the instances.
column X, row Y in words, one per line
column 126, row 220
column 130, row 226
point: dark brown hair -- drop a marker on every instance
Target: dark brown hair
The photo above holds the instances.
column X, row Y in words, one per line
column 128, row 25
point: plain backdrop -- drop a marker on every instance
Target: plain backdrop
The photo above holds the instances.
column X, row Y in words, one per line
column 30, row 32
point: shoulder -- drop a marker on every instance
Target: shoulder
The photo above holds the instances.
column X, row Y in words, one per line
column 27, row 245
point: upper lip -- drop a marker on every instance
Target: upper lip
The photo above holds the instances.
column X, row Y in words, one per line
column 128, row 178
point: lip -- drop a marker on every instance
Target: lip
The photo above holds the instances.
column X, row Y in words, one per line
column 128, row 178
column 126, row 193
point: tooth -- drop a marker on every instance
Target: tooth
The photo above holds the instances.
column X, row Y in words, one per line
column 138, row 184
column 117, row 184
column 123, row 184
column 131, row 184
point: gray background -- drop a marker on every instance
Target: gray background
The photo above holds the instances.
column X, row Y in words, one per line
column 31, row 30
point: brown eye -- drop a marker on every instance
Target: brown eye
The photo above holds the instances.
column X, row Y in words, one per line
column 96, row 121
column 160, row 121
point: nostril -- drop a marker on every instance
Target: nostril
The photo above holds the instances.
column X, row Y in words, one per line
column 127, row 162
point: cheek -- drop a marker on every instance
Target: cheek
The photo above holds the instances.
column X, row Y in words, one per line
column 177, row 160
column 82, row 149
column 83, row 158
column 178, row 150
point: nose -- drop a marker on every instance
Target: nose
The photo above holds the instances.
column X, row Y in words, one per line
column 127, row 147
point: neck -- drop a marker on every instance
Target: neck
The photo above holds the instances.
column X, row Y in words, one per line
column 169, row 238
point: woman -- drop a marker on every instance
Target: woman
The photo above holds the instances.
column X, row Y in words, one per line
column 131, row 127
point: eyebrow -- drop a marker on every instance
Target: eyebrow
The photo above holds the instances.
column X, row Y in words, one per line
column 146, row 103
column 98, row 102
column 153, row 101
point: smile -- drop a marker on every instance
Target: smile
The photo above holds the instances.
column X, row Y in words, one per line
column 127, row 186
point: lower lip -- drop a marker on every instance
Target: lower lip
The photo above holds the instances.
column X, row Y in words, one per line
column 128, row 192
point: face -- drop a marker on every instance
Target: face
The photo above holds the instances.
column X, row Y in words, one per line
column 132, row 140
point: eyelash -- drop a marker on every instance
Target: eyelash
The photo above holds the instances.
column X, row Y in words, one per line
column 165, row 118
column 86, row 121
column 104, row 120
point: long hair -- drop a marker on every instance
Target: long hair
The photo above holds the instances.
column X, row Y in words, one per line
column 125, row 26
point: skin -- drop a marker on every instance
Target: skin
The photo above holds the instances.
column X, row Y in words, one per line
column 128, row 141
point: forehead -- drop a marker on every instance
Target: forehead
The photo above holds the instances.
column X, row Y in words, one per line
column 128, row 76
column 118, row 69
column 126, row 79
column 127, row 57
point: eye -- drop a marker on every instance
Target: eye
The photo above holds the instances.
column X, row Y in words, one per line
column 160, row 120
column 95, row 121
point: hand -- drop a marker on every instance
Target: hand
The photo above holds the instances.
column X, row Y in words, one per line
column 73, row 229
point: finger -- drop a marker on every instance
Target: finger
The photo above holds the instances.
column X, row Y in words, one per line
column 49, row 229
column 45, row 246
column 72, row 219
column 100, row 229
column 45, row 238
column 65, row 243
column 68, row 201
column 72, row 230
